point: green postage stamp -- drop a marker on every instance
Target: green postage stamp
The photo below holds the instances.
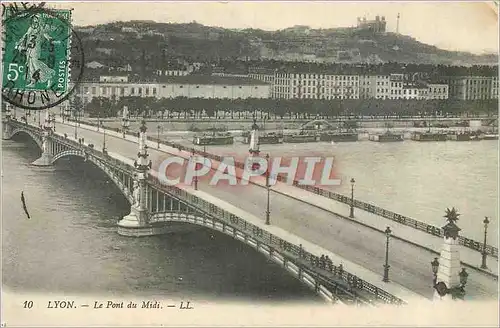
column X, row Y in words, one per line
column 37, row 51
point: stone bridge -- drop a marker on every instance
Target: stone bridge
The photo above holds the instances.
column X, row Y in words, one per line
column 157, row 208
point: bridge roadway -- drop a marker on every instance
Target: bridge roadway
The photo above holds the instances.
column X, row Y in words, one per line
column 410, row 265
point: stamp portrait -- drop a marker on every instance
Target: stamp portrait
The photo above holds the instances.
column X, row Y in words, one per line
column 37, row 55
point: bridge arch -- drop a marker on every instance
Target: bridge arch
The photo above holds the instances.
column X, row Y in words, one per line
column 33, row 136
column 78, row 153
column 323, row 124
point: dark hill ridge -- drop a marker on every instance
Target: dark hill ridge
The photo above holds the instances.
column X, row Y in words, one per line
column 155, row 42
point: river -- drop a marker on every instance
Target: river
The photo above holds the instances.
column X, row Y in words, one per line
column 70, row 244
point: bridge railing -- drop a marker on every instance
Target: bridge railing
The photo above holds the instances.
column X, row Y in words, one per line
column 273, row 240
column 404, row 220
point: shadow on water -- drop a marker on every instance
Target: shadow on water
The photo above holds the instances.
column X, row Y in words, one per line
column 70, row 245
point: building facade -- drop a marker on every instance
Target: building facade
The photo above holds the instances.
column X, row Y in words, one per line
column 315, row 86
column 437, row 91
column 494, row 87
column 473, row 87
column 219, row 87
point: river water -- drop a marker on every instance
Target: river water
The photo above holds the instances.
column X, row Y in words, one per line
column 416, row 179
column 70, row 244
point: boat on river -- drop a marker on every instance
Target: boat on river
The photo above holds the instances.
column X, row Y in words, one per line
column 215, row 138
column 339, row 136
column 429, row 136
column 489, row 136
column 386, row 137
column 464, row 136
column 265, row 139
column 301, row 137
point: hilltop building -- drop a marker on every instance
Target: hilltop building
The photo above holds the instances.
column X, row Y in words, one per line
column 376, row 26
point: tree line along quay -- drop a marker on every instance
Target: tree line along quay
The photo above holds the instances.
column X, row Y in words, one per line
column 197, row 108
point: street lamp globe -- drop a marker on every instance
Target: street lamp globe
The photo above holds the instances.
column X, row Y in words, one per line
column 463, row 277
column 388, row 231
column 486, row 221
column 435, row 266
column 352, row 181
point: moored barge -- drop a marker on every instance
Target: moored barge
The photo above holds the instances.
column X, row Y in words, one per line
column 265, row 139
column 300, row 137
column 214, row 139
column 429, row 136
column 386, row 137
column 464, row 136
column 338, row 136
column 489, row 136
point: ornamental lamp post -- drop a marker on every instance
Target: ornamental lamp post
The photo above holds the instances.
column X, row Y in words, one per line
column 387, row 266
column 463, row 277
column 455, row 292
column 351, row 214
column 483, row 253
column 76, row 124
column 158, row 137
column 268, row 191
column 104, row 137
column 53, row 121
column 196, row 169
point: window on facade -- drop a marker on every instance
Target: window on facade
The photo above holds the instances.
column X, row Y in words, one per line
column 140, row 91
column 147, row 91
column 132, row 91
column 85, row 90
column 93, row 90
column 103, row 90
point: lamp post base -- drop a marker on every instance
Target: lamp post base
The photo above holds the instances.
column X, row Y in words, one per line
column 351, row 213
column 386, row 273
column 267, row 218
column 483, row 262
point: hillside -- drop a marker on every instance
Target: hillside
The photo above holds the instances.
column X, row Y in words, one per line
column 122, row 43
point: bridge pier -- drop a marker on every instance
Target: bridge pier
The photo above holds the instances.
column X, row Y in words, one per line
column 47, row 145
column 137, row 223
column 47, row 156
column 6, row 128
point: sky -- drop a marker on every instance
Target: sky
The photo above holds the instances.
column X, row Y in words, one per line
column 460, row 26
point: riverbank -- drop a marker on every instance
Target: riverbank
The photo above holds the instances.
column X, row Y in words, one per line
column 458, row 123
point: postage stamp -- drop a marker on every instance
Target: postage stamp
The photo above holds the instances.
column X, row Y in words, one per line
column 37, row 59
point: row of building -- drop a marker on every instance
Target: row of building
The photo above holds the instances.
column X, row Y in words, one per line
column 285, row 85
column 376, row 86
column 165, row 86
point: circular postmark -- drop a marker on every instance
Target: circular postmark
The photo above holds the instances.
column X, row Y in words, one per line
column 43, row 58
